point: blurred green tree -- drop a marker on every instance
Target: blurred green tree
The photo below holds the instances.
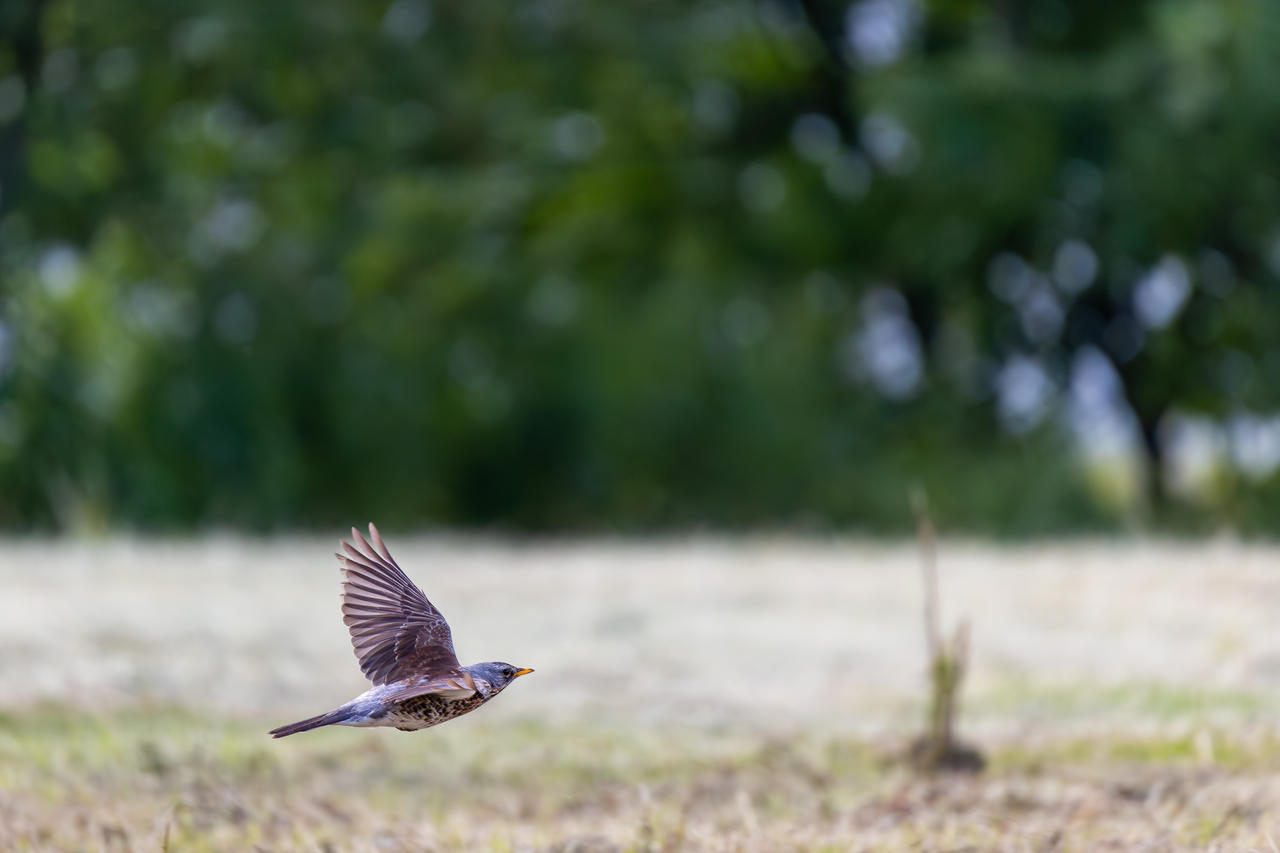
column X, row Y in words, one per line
column 554, row 266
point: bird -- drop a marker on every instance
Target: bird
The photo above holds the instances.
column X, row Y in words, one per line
column 404, row 647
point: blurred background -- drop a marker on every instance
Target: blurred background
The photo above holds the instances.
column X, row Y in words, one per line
column 698, row 294
column 560, row 266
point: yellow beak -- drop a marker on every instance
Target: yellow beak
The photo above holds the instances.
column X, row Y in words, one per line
column 520, row 672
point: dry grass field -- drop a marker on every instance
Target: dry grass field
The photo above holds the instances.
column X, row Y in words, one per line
column 692, row 695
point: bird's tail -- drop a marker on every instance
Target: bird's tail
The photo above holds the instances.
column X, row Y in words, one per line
column 341, row 715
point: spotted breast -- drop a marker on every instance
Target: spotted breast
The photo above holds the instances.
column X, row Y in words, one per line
column 423, row 712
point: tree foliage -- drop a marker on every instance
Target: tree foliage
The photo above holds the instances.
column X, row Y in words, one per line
column 557, row 265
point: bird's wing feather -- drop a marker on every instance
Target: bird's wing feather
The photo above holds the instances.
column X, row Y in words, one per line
column 395, row 631
column 459, row 686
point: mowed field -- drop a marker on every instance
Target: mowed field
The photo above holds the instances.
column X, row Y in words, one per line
column 690, row 694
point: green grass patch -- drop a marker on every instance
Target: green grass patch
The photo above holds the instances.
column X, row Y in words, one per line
column 135, row 775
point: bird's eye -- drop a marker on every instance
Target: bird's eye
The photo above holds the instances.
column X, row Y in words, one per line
column 507, row 672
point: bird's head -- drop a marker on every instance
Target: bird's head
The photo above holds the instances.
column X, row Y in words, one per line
column 498, row 674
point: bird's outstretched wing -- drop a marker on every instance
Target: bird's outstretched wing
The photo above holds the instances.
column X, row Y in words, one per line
column 396, row 632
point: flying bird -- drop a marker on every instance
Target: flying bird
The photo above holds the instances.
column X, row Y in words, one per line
column 405, row 648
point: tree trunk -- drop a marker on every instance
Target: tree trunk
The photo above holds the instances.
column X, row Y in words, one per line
column 834, row 83
column 1157, row 494
column 20, row 35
